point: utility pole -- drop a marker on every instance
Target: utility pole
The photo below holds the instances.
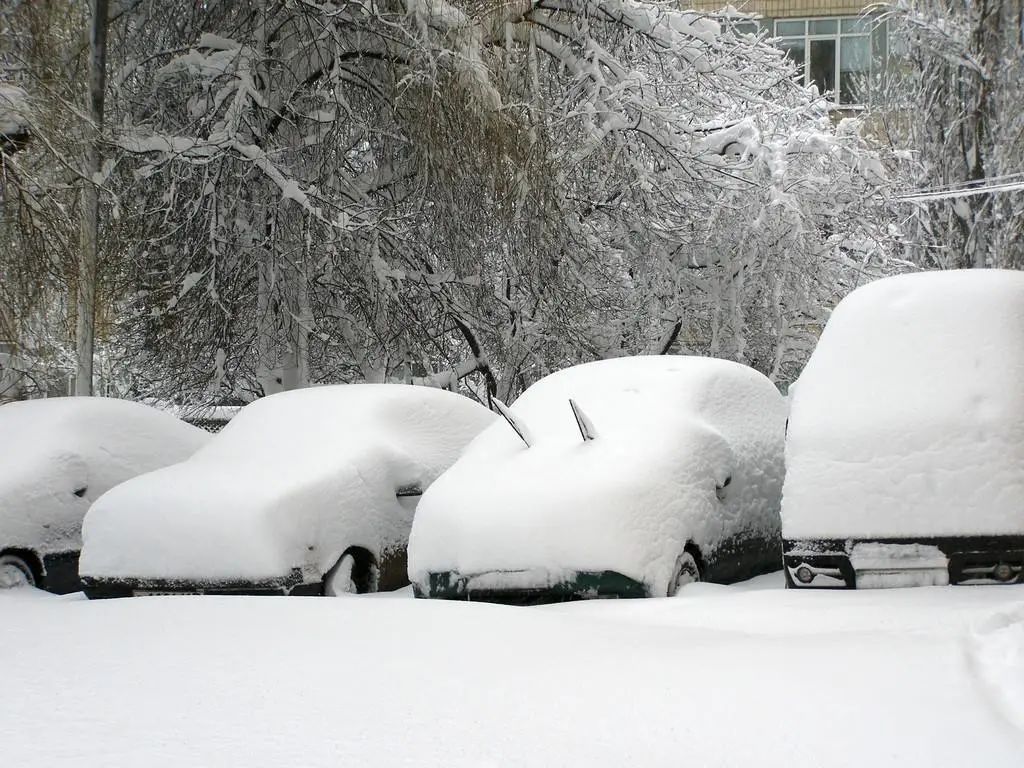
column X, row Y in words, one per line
column 85, row 328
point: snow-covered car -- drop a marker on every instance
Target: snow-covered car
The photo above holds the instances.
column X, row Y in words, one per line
column 57, row 456
column 310, row 492
column 622, row 478
column 15, row 129
column 905, row 451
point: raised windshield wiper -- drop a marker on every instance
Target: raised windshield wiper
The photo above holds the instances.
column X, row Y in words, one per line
column 506, row 414
column 583, row 422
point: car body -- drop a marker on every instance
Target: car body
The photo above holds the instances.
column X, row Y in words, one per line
column 15, row 128
column 211, row 417
column 304, row 492
column 618, row 478
column 59, row 454
column 905, row 448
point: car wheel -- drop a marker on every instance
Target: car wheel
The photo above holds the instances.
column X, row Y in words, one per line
column 355, row 573
column 15, row 572
column 339, row 580
column 686, row 572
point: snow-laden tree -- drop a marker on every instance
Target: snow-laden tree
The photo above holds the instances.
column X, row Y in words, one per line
column 952, row 104
column 301, row 191
column 39, row 178
column 372, row 190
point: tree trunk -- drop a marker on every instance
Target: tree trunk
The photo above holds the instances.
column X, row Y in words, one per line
column 268, row 368
column 296, row 322
column 85, row 327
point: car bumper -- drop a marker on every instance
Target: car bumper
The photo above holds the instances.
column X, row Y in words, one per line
column 880, row 563
column 292, row 584
column 60, row 572
column 528, row 587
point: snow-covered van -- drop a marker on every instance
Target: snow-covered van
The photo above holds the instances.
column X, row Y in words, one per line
column 621, row 478
column 305, row 492
column 57, row 456
column 905, row 449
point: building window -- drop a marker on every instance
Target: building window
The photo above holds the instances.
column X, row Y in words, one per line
column 746, row 27
column 834, row 54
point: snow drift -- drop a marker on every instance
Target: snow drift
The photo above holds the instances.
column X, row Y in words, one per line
column 745, row 675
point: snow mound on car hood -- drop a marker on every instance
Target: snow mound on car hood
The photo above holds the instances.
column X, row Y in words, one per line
column 52, row 448
column 290, row 479
column 668, row 431
column 909, row 417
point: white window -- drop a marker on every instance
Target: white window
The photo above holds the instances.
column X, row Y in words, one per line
column 833, row 53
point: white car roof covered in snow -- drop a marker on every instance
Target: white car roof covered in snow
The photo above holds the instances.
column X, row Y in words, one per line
column 667, row 430
column 345, row 417
column 293, row 477
column 908, row 420
column 51, row 448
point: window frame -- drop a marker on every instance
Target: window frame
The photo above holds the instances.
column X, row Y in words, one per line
column 837, row 37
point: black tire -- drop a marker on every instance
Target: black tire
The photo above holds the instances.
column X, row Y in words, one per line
column 15, row 572
column 355, row 573
column 687, row 571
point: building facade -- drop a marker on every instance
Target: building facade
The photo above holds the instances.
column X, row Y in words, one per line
column 837, row 46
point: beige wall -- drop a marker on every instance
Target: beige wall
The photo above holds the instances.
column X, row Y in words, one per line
column 783, row 8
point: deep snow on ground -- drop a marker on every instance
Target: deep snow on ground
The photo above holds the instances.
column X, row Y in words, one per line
column 719, row 676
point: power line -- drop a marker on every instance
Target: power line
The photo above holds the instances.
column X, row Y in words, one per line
column 955, row 192
column 970, row 183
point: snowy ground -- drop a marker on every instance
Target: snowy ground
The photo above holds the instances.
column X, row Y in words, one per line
column 718, row 676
